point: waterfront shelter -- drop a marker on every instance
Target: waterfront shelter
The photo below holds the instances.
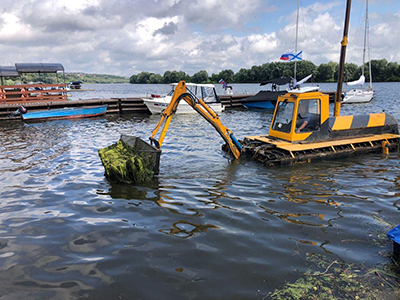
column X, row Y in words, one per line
column 32, row 92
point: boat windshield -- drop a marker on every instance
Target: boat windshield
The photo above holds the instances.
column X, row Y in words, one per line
column 208, row 94
column 283, row 117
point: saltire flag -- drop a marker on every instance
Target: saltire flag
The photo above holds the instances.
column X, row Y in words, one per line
column 292, row 56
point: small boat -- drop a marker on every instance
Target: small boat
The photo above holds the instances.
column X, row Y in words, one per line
column 267, row 99
column 156, row 104
column 358, row 95
column 66, row 113
column 75, row 85
column 362, row 95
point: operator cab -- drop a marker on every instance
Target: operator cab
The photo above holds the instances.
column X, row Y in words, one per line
column 300, row 116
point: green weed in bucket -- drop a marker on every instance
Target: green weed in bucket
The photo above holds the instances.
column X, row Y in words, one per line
column 124, row 164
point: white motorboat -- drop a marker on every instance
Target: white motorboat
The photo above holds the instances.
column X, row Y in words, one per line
column 156, row 104
column 362, row 95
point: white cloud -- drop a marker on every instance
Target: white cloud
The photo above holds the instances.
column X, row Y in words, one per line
column 124, row 37
column 12, row 28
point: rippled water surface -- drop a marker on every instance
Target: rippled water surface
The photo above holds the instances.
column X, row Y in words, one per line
column 206, row 228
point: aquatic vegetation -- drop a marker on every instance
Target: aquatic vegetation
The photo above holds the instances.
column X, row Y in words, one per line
column 123, row 164
column 336, row 280
column 332, row 280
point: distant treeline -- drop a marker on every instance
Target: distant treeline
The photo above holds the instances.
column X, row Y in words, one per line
column 382, row 71
column 69, row 77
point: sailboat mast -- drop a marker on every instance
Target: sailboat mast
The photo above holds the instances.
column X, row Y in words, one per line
column 369, row 51
column 365, row 40
column 297, row 34
column 342, row 59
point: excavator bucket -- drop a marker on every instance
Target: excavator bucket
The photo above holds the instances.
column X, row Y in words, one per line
column 142, row 147
column 130, row 160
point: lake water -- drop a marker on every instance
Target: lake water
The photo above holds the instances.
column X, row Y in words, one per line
column 207, row 228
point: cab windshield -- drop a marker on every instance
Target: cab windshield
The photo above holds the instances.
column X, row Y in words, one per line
column 283, row 117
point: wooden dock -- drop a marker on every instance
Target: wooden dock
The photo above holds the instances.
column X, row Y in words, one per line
column 115, row 105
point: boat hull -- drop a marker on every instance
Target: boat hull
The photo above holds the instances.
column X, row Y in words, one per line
column 262, row 100
column 66, row 113
column 259, row 105
column 358, row 96
column 156, row 106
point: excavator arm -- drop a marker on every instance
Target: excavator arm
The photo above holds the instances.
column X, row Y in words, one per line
column 203, row 109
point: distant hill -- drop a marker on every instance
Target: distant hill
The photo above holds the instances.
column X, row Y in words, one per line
column 69, row 77
column 95, row 78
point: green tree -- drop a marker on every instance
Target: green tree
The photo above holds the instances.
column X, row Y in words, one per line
column 305, row 68
column 200, row 77
column 155, row 78
column 166, row 77
column 379, row 69
column 143, row 77
column 242, row 76
column 326, row 72
column 351, row 72
column 255, row 74
column 393, row 71
column 227, row 75
column 133, row 79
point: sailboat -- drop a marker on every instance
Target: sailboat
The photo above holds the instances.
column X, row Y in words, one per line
column 266, row 99
column 362, row 95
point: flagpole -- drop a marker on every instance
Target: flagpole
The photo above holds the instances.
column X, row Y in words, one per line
column 297, row 34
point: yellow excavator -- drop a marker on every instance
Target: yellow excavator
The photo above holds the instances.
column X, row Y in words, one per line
column 301, row 130
column 182, row 93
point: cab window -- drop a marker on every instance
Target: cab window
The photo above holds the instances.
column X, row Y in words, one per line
column 283, row 117
column 309, row 115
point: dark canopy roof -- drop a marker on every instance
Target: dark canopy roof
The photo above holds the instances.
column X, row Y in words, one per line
column 8, row 71
column 278, row 81
column 39, row 68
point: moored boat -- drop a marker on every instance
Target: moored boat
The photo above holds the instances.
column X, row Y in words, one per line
column 267, row 99
column 156, row 104
column 362, row 95
column 66, row 113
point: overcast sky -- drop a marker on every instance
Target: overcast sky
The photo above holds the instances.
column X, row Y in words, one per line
column 126, row 37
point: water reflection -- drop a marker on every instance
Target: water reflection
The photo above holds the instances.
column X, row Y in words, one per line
column 185, row 229
column 206, row 228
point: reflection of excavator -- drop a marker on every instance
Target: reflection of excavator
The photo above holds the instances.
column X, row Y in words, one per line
column 181, row 93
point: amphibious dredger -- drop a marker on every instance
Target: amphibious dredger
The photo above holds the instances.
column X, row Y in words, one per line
column 301, row 129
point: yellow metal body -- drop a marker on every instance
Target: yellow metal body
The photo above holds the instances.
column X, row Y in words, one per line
column 332, row 134
column 294, row 147
column 202, row 108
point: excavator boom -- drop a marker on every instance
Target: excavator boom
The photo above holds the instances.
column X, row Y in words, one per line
column 181, row 93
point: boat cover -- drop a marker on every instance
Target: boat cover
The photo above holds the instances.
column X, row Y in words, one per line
column 394, row 234
column 264, row 96
column 360, row 81
column 8, row 71
column 39, row 67
column 278, row 81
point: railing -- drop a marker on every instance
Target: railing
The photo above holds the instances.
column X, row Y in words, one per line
column 33, row 93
